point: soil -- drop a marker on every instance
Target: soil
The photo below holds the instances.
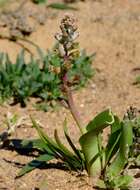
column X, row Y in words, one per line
column 111, row 28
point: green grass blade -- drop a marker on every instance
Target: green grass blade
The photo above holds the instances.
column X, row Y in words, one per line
column 114, row 139
column 42, row 135
column 111, row 149
column 20, row 62
column 40, row 1
column 62, row 6
column 47, row 140
column 61, row 145
column 8, row 65
column 68, row 156
column 72, row 161
column 75, row 150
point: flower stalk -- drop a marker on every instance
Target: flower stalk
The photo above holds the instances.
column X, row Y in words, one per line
column 67, row 50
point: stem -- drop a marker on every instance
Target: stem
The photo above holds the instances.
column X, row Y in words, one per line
column 73, row 109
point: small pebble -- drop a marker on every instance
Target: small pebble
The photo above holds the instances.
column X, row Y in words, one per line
column 81, row 105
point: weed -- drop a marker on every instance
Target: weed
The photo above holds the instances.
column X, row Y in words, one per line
column 108, row 163
column 137, row 80
column 39, row 1
column 41, row 77
column 62, row 6
column 59, row 6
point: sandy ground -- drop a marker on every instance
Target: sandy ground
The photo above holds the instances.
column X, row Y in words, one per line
column 111, row 28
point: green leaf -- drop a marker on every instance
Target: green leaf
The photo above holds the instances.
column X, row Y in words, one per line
column 55, row 61
column 137, row 80
column 29, row 145
column 68, row 156
column 44, row 137
column 75, row 150
column 34, row 143
column 61, row 146
column 100, row 155
column 3, row 2
column 22, row 79
column 137, row 161
column 40, row 1
column 91, row 143
column 114, row 139
column 57, row 151
column 101, row 121
column 62, row 6
column 41, row 160
column 48, row 141
column 90, row 148
column 121, row 182
column 121, row 158
column 101, row 184
column 8, row 65
column 20, row 63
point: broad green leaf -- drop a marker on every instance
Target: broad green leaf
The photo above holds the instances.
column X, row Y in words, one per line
column 121, row 158
column 99, row 154
column 101, row 121
column 90, row 148
column 91, row 143
column 122, row 181
column 41, row 160
column 62, row 6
